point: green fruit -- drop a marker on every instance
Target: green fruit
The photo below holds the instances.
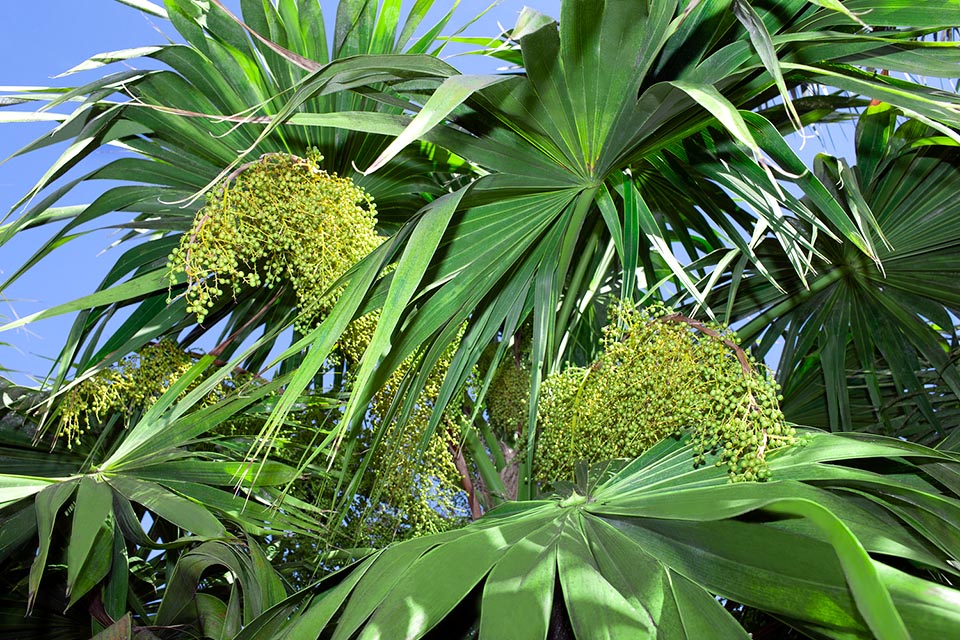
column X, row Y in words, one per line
column 134, row 383
column 508, row 399
column 659, row 374
column 281, row 221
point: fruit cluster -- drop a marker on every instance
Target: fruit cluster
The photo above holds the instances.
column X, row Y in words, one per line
column 423, row 489
column 661, row 373
column 508, row 398
column 134, row 383
column 408, row 488
column 280, row 220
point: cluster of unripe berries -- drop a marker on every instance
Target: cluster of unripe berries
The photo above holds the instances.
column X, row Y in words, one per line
column 279, row 221
column 421, row 491
column 134, row 383
column 409, row 488
column 508, row 398
column 660, row 374
column 283, row 221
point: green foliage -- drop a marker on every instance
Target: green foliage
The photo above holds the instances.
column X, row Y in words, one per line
column 640, row 150
column 412, row 486
column 279, row 219
column 871, row 345
column 417, row 485
column 661, row 373
column 418, row 493
column 643, row 548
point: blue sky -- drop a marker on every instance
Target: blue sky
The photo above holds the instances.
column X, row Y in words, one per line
column 39, row 40
column 43, row 38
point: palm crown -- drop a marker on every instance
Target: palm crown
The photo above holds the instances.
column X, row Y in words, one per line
column 486, row 227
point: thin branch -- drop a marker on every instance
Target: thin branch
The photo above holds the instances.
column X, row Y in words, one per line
column 705, row 330
column 466, row 481
column 219, row 349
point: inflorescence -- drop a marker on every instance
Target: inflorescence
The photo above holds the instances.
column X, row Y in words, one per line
column 661, row 373
column 133, row 383
column 279, row 220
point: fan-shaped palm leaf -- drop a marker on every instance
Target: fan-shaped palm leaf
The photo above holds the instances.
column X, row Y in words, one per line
column 614, row 88
column 134, row 497
column 642, row 547
column 184, row 125
column 887, row 324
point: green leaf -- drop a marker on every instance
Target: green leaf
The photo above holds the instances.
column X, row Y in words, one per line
column 873, row 599
column 698, row 612
column 49, row 502
column 258, row 514
column 322, row 340
column 182, row 512
column 722, row 109
column 148, row 283
column 14, row 488
column 325, row 606
column 114, row 593
column 522, row 580
column 159, row 433
column 109, row 57
column 383, row 572
column 146, row 6
column 226, row 473
column 596, row 608
column 676, row 607
column 416, row 257
column 451, row 94
column 836, row 5
column 916, row 598
column 97, row 564
column 763, row 44
column 648, row 547
column 262, row 574
column 17, row 527
column 179, row 604
column 216, row 618
column 874, row 129
column 417, row 603
column 7, row 117
column 90, row 515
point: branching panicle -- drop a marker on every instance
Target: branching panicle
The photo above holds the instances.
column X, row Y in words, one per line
column 661, row 373
column 281, row 220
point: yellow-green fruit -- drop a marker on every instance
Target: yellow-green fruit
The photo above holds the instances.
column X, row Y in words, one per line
column 404, row 492
column 281, row 220
column 420, row 493
column 660, row 374
column 136, row 381
column 356, row 337
column 508, row 399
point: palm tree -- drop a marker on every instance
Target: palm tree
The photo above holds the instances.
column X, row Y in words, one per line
column 637, row 155
column 887, row 328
